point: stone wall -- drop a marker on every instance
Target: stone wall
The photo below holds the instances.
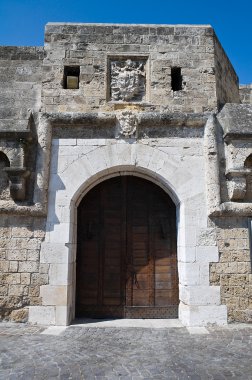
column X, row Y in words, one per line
column 233, row 271
column 20, row 83
column 246, row 93
column 21, row 273
column 227, row 89
column 94, row 46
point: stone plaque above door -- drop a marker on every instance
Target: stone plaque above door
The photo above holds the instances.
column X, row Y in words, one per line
column 127, row 79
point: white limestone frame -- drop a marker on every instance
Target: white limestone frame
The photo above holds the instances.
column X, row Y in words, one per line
column 79, row 165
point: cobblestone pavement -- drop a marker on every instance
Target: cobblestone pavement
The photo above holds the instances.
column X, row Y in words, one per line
column 83, row 352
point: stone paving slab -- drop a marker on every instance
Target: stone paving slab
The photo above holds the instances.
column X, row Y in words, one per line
column 136, row 353
column 9, row 328
column 145, row 323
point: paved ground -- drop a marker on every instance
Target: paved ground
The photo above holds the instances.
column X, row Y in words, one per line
column 113, row 351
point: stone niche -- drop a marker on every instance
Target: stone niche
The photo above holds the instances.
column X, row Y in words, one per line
column 17, row 161
column 235, row 123
column 13, row 172
column 127, row 79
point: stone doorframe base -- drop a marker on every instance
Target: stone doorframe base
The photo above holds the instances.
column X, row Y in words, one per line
column 71, row 179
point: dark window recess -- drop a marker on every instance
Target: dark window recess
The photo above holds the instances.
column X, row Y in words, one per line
column 248, row 162
column 71, row 77
column 176, row 79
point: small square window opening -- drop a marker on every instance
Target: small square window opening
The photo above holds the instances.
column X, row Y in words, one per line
column 71, row 77
column 176, row 79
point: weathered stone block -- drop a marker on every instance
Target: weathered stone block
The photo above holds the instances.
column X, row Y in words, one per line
column 200, row 295
column 207, row 254
column 53, row 253
column 20, row 315
column 54, row 295
column 2, row 254
column 13, row 266
column 39, row 279
column 10, row 278
column 18, row 290
column 28, row 266
column 23, row 232
column 25, row 279
column 32, row 255
column 34, row 291
column 202, row 315
column 17, row 254
column 3, row 290
column 59, row 274
column 43, row 268
column 4, row 265
column 42, row 315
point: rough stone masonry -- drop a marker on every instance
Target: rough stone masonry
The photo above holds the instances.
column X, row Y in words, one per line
column 160, row 102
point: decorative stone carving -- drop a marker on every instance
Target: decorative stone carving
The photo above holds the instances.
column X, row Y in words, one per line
column 237, row 189
column 127, row 124
column 237, row 184
column 127, row 80
column 17, row 178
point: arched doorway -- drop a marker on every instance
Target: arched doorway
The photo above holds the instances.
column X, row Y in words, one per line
column 126, row 251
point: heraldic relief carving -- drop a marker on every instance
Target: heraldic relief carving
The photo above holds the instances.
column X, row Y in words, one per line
column 127, row 80
column 127, row 124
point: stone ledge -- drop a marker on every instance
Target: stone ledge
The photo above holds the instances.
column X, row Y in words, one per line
column 78, row 118
column 22, row 53
column 10, row 207
column 236, row 121
column 233, row 209
column 109, row 119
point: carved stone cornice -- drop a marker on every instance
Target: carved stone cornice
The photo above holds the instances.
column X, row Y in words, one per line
column 108, row 119
column 72, row 119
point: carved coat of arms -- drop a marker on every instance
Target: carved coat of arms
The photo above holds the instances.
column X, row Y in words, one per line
column 127, row 124
column 127, row 80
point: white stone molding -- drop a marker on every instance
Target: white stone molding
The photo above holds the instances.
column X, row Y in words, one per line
column 73, row 175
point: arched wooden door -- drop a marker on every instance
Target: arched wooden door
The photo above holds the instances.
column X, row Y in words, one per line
column 126, row 256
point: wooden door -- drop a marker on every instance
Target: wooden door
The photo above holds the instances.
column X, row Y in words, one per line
column 126, row 259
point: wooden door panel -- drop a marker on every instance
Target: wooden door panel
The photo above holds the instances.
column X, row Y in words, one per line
column 126, row 251
column 161, row 268
column 138, row 243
